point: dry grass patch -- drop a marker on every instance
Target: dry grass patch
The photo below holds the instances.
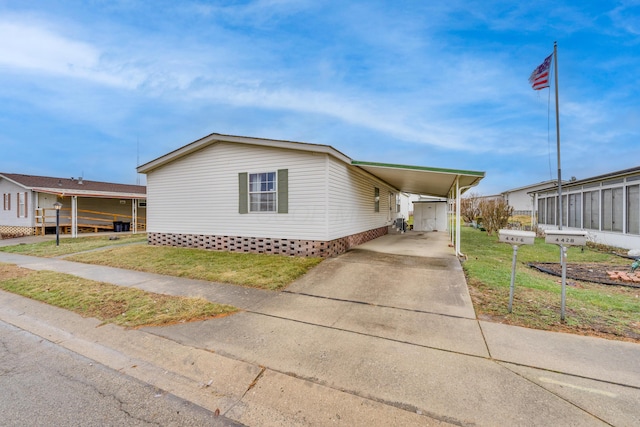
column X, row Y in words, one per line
column 119, row 305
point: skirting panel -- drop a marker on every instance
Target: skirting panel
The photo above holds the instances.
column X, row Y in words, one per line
column 262, row 245
column 8, row 231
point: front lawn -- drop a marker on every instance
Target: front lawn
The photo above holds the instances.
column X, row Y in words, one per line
column 254, row 270
column 591, row 309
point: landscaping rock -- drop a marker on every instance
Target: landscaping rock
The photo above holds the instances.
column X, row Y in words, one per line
column 634, row 253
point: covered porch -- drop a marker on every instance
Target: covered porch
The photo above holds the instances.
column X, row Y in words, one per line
column 84, row 213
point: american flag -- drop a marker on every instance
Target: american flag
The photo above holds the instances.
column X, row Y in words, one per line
column 539, row 78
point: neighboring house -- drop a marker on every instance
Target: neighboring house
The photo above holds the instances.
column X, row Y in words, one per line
column 522, row 199
column 28, row 205
column 606, row 206
column 247, row 194
column 488, row 198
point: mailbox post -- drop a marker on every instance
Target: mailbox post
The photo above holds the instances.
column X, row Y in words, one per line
column 565, row 238
column 515, row 238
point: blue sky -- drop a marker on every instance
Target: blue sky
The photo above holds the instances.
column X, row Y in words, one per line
column 90, row 87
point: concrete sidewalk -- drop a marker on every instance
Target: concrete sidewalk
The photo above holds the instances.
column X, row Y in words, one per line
column 382, row 335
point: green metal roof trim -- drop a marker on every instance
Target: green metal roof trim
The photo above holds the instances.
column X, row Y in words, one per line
column 419, row 168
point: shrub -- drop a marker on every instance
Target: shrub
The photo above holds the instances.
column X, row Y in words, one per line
column 495, row 214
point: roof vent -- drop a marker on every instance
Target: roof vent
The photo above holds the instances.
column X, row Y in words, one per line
column 59, row 183
column 80, row 181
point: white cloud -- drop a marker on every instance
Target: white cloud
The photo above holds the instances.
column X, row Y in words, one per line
column 32, row 48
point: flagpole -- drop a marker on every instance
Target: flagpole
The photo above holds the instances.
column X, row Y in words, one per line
column 555, row 62
column 563, row 249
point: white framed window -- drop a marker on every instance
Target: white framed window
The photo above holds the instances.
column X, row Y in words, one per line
column 6, row 201
column 551, row 210
column 633, row 209
column 22, row 205
column 575, row 210
column 612, row 209
column 542, row 209
column 263, row 192
column 591, row 211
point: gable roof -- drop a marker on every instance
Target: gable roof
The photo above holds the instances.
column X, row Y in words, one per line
column 76, row 187
column 410, row 179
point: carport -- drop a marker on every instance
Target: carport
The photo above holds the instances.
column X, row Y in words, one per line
column 427, row 181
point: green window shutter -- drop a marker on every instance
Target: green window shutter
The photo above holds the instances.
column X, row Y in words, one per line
column 243, row 190
column 283, row 191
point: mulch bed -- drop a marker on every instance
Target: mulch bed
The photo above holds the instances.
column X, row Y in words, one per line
column 586, row 272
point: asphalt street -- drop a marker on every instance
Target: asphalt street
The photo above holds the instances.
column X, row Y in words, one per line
column 43, row 384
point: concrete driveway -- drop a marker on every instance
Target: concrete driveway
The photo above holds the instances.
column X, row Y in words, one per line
column 393, row 321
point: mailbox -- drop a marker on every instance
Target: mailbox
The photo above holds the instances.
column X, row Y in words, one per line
column 516, row 237
column 566, row 237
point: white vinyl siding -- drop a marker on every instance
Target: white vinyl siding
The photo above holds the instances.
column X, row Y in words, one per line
column 352, row 201
column 13, row 216
column 198, row 193
column 327, row 198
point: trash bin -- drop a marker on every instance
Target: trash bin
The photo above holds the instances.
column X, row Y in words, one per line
column 126, row 226
column 117, row 226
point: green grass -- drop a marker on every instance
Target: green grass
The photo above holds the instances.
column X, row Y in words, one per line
column 254, row 270
column 612, row 311
column 70, row 246
column 122, row 306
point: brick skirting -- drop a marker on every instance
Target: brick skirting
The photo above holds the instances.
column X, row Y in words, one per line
column 262, row 245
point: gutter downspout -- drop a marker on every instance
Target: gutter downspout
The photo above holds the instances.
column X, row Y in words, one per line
column 458, row 192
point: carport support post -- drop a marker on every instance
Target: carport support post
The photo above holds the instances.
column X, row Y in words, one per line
column 513, row 277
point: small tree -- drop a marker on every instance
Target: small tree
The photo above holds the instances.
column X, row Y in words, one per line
column 470, row 207
column 495, row 214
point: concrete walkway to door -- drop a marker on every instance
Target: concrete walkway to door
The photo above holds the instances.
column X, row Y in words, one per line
column 384, row 334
